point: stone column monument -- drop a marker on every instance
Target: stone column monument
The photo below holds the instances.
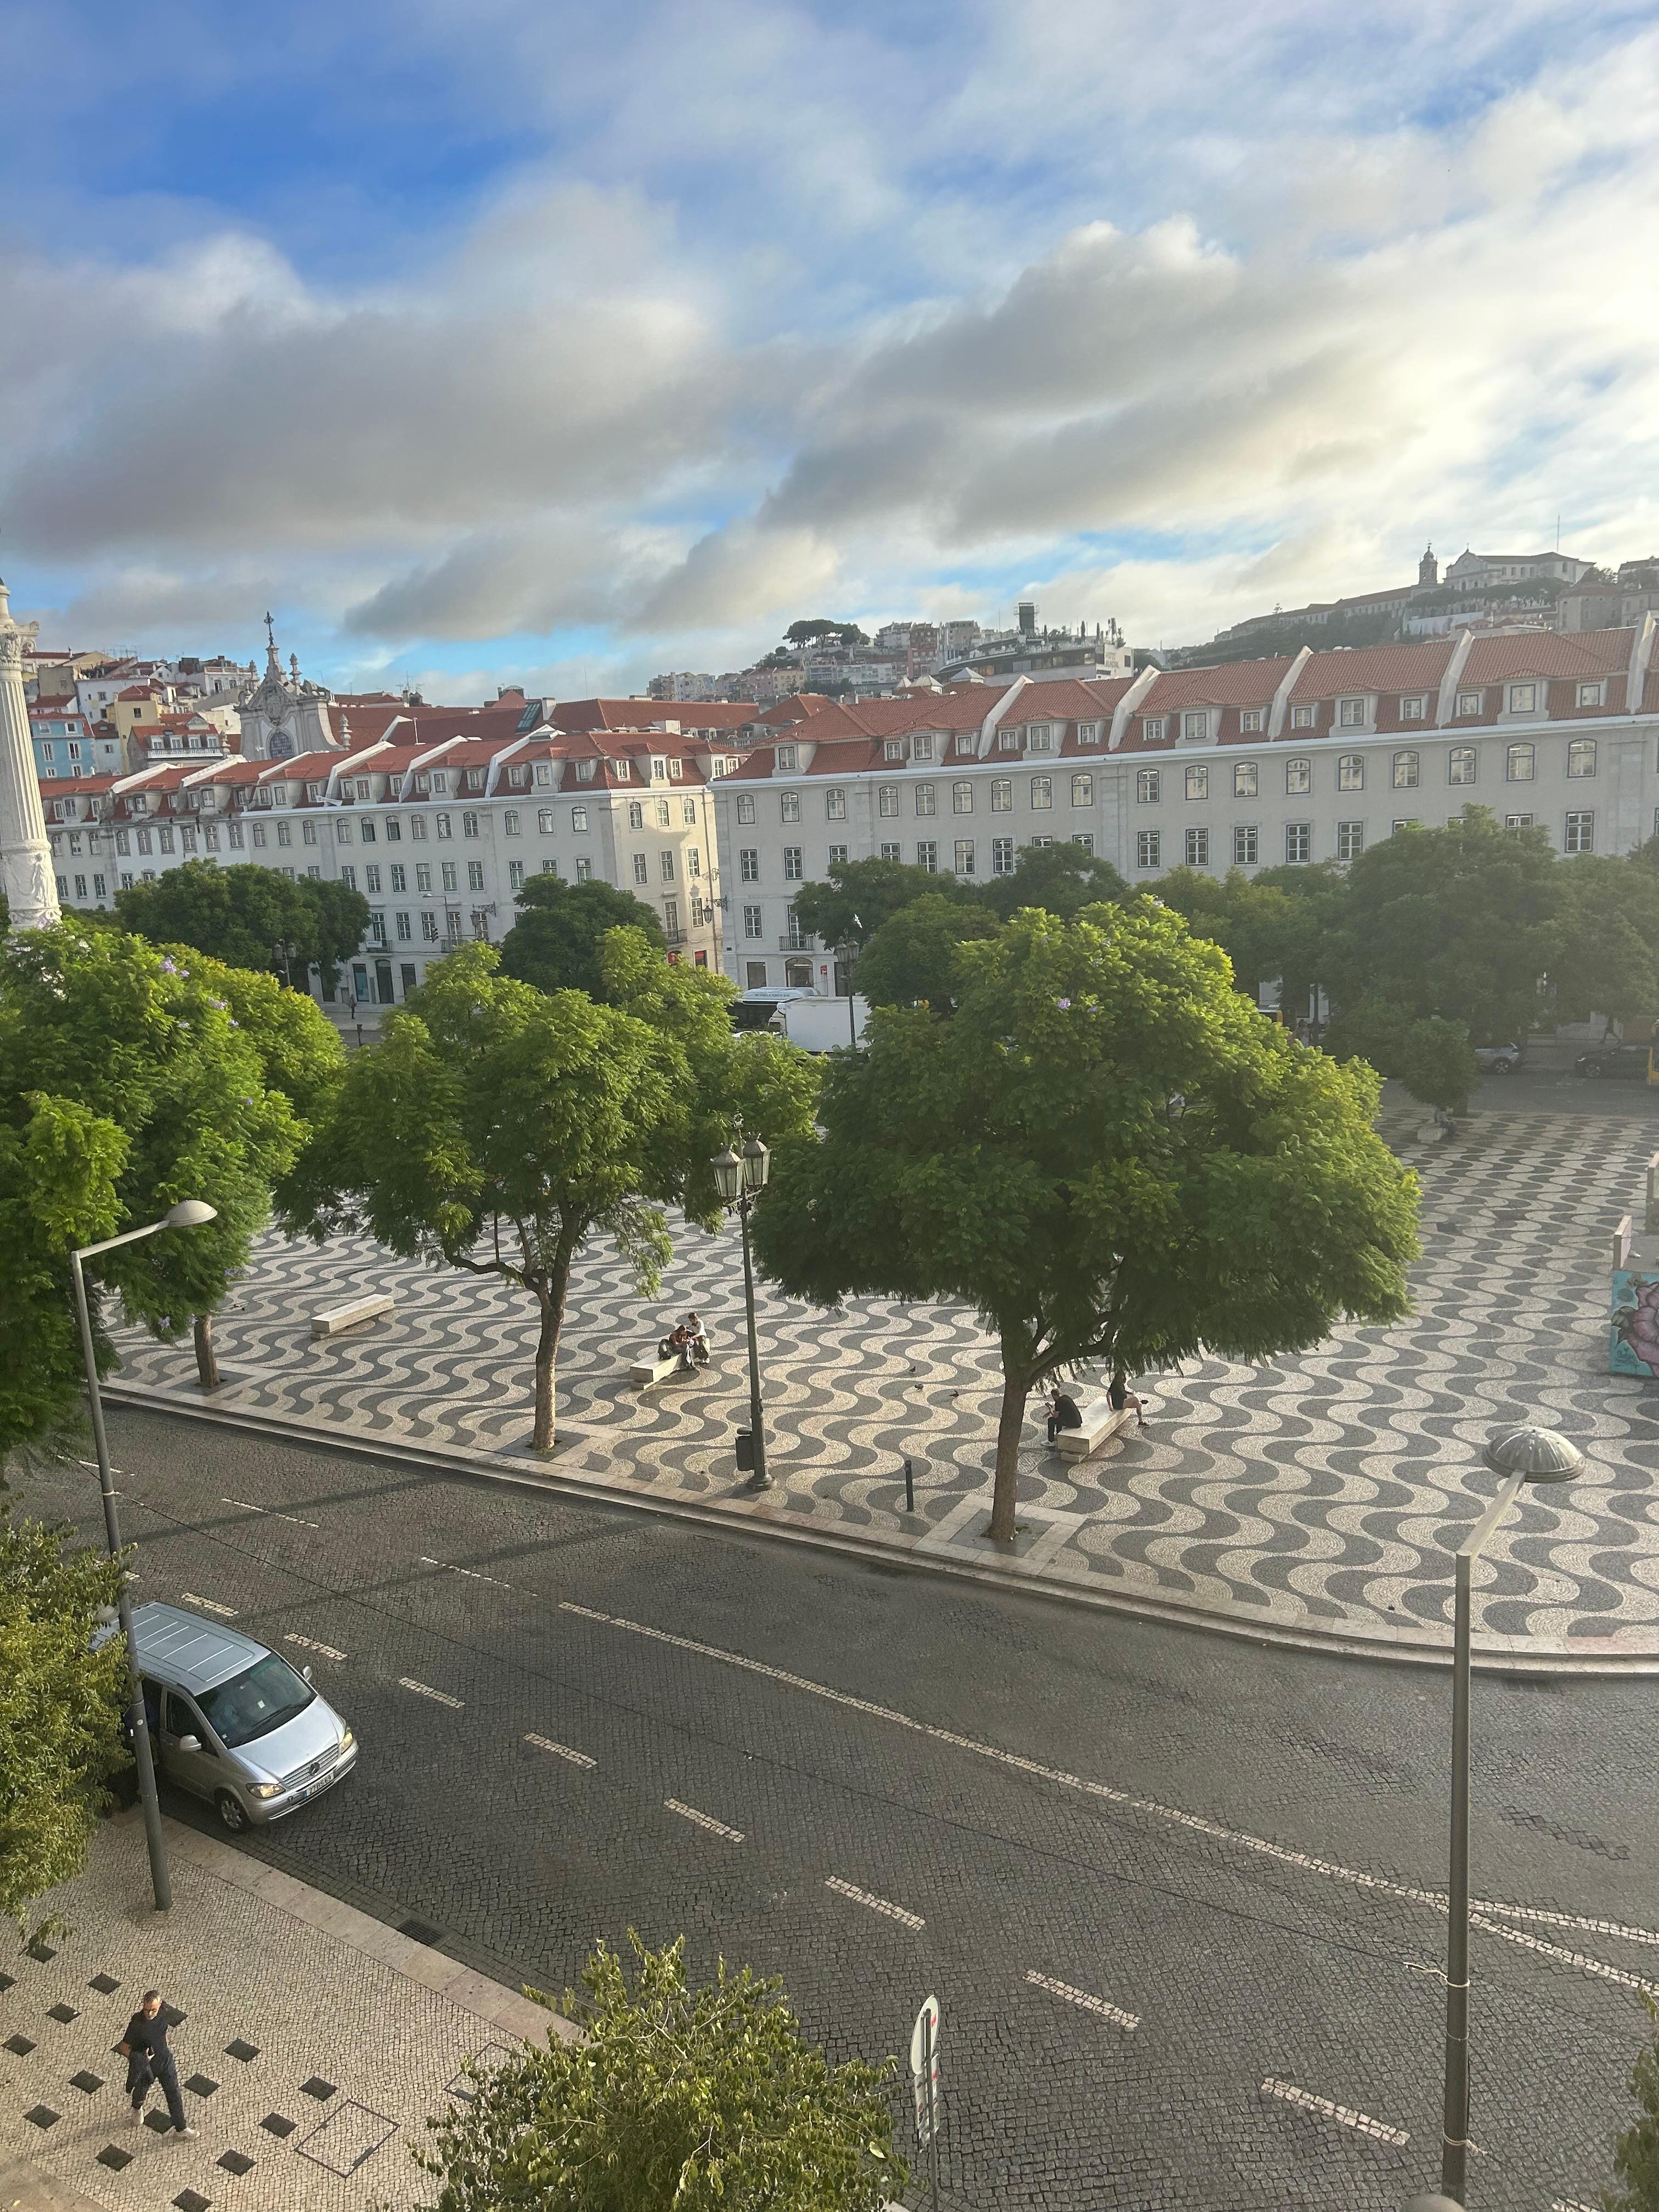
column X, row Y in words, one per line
column 25, row 871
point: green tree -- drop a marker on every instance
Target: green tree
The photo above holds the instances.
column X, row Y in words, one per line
column 813, row 631
column 555, row 941
column 1272, row 929
column 126, row 1084
column 60, row 1708
column 860, row 896
column 676, row 2099
column 1432, row 1058
column 912, row 956
column 1455, row 922
column 1060, row 878
column 1607, row 956
column 495, row 1127
column 1636, row 2153
column 1106, row 1152
column 250, row 917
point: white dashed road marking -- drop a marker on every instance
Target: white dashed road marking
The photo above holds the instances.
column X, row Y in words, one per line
column 210, row 1604
column 471, row 1573
column 269, row 1512
column 310, row 1643
column 875, row 1903
column 703, row 1820
column 561, row 1750
column 425, row 1690
column 1361, row 2122
column 1195, row 1823
column 1129, row 2019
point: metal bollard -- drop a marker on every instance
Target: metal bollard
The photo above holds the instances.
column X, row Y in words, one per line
column 909, row 1489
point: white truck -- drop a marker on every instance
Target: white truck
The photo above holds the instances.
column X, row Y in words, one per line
column 819, row 1025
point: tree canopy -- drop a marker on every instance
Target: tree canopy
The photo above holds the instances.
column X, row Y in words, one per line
column 1106, row 1153
column 129, row 1078
column 555, row 941
column 61, row 1703
column 250, row 917
column 1061, row 878
column 495, row 1127
column 912, row 954
column 860, row 896
column 816, row 629
column 676, row 2099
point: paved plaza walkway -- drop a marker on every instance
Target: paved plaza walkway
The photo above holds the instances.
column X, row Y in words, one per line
column 313, row 2043
column 1315, row 1499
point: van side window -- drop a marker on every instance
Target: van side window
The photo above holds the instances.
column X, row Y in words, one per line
column 183, row 1719
column 152, row 1707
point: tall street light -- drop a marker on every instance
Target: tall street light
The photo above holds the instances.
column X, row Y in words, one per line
column 1521, row 1456
column 739, row 1183
column 189, row 1213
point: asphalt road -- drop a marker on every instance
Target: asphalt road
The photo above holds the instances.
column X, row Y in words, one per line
column 1162, row 1883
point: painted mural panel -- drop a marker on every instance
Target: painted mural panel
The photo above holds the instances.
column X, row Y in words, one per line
column 1633, row 1346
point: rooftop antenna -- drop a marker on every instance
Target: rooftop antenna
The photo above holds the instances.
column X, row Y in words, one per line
column 1557, row 533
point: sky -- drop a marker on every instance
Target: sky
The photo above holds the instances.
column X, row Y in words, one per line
column 518, row 342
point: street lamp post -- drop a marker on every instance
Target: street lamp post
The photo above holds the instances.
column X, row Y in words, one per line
column 739, row 1183
column 1521, row 1456
column 189, row 1213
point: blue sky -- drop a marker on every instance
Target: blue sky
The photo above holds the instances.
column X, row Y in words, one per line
column 519, row 342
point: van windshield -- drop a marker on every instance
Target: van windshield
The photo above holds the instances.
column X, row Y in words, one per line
column 253, row 1703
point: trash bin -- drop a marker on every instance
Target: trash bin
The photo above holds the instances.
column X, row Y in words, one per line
column 745, row 1451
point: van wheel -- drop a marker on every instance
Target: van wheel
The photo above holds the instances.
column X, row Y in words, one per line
column 231, row 1812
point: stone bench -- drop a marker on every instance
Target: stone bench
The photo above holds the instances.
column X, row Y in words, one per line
column 334, row 1319
column 1101, row 1423
column 653, row 1368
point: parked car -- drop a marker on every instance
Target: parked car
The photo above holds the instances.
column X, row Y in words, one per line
column 1629, row 1062
column 231, row 1721
column 1498, row 1059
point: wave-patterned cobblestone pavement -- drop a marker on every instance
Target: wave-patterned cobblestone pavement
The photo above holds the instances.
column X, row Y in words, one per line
column 1319, row 1494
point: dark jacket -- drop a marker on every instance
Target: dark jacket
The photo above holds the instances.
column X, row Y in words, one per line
column 1066, row 1415
column 146, row 2040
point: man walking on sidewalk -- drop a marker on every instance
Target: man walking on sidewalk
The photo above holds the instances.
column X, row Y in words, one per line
column 144, row 2046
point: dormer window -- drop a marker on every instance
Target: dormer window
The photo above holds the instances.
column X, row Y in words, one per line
column 921, row 748
column 1414, row 709
column 623, row 769
column 363, row 787
column 1592, row 694
column 1251, row 718
column 518, row 778
column 1039, row 738
column 658, row 768
column 543, row 773
column 892, row 750
column 1303, row 718
column 1468, row 703
column 786, row 755
column 965, row 745
column 1194, row 728
column 1088, row 733
column 1523, row 698
column 1351, row 714
column 1154, row 728
column 474, row 781
column 585, row 770
column 439, row 785
column 676, row 771
column 1007, row 741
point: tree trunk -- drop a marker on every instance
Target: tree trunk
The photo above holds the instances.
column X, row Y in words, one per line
column 207, row 1366
column 1011, row 1426
column 550, row 1292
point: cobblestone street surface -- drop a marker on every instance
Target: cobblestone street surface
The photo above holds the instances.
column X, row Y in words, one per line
column 1317, row 1496
column 1180, row 1899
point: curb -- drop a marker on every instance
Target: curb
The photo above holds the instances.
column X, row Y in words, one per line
column 1587, row 1657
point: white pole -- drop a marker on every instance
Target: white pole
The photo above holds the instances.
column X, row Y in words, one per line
column 26, row 869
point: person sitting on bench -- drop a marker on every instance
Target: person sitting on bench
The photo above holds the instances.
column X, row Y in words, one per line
column 698, row 1339
column 1122, row 1396
column 676, row 1344
column 1061, row 1409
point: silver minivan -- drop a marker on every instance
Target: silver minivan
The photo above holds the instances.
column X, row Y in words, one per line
column 232, row 1721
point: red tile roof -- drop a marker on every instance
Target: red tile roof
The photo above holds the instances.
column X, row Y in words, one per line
column 589, row 714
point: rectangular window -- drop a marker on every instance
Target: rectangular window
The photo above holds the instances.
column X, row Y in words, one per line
column 405, row 927
column 921, row 748
column 342, row 832
column 1581, row 756
column 927, row 856
column 1414, row 709
column 398, row 877
column 837, row 856
column 688, row 813
column 1523, row 698
column 429, row 928
column 1299, row 776
column 307, row 833
column 693, row 862
column 365, row 828
column 1197, row 849
column 893, row 750
column 475, row 875
column 1082, row 838
column 446, row 827
column 1351, row 772
column 1198, row 782
column 1350, row 840
column 371, row 877
column 670, row 919
column 1351, row 714
column 1244, row 779
column 544, row 820
column 1592, row 694
column 787, row 757
column 1519, row 821
column 1153, row 728
column 789, row 807
column 1038, row 737
column 1581, row 834
column 1088, row 733
column 469, row 825
column 1299, row 840
column 284, row 833
column 889, row 851
column 834, row 806
column 1404, row 821
column 887, row 800
column 924, row 799
column 641, row 871
column 1002, row 795
column 1083, row 791
column 748, row 865
column 1002, row 856
column 1007, row 741
column 1468, row 703
column 668, row 860
column 1042, row 791
column 1194, row 728
column 447, row 870
column 1251, row 719
column 584, row 871
column 745, row 806
column 1460, row 763
column 349, row 877
column 1405, row 771
column 510, row 821
column 1149, row 786
column 752, row 922
column 259, row 834
column 1520, row 763
column 1303, row 718
column 962, row 799
column 418, row 827
column 1244, row 844
column 423, row 875
column 964, row 856
column 377, row 929
column 792, row 871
